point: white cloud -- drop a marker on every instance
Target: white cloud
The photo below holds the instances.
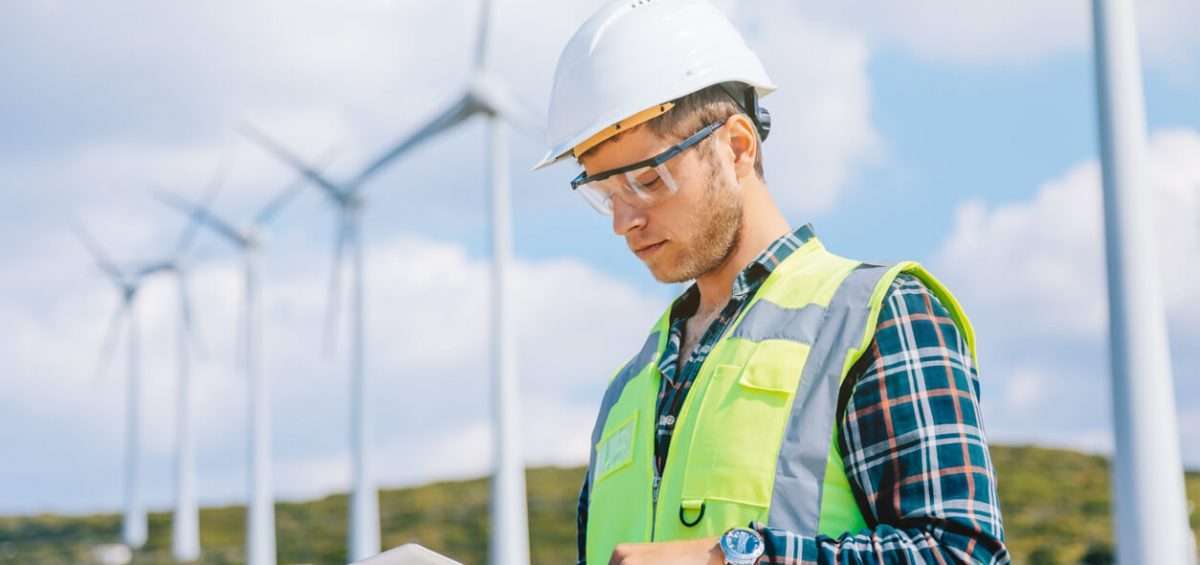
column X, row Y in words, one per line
column 1189, row 425
column 427, row 370
column 822, row 130
column 357, row 77
column 1016, row 31
column 1024, row 388
column 1031, row 275
column 103, row 110
column 1052, row 247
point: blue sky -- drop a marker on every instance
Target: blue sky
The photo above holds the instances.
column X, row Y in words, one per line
column 963, row 137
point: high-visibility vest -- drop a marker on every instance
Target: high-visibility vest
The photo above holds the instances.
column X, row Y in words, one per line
column 755, row 439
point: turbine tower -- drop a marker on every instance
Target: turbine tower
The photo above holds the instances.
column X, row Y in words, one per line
column 185, row 523
column 1150, row 510
column 484, row 95
column 260, row 519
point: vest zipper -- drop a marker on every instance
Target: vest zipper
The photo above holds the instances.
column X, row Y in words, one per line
column 654, row 504
column 685, row 411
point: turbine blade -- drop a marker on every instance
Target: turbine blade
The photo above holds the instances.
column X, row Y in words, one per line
column 522, row 120
column 185, row 311
column 210, row 193
column 154, row 268
column 449, row 118
column 333, row 305
column 281, row 199
column 285, row 196
column 98, row 254
column 274, row 148
column 485, row 17
column 499, row 99
column 110, row 339
column 200, row 215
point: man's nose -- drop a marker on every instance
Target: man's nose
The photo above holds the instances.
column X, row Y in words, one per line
column 626, row 218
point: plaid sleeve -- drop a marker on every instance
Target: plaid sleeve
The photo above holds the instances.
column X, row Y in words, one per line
column 913, row 448
column 581, row 523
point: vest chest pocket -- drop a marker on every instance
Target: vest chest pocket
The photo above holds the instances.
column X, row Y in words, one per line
column 740, row 426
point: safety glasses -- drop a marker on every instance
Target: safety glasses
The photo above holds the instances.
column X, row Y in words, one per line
column 642, row 184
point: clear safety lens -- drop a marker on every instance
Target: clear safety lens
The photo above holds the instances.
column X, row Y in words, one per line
column 640, row 188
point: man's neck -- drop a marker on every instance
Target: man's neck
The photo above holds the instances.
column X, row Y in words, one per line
column 762, row 223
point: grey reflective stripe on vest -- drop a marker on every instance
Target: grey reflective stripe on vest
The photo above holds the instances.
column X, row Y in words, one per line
column 800, row 470
column 767, row 320
column 615, row 388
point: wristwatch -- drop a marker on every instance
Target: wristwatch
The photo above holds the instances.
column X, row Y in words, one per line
column 742, row 546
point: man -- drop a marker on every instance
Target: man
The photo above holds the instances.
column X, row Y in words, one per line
column 792, row 406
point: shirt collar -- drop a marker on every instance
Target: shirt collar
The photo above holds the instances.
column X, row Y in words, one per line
column 753, row 275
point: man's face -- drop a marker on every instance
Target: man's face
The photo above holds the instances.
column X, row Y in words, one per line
column 689, row 233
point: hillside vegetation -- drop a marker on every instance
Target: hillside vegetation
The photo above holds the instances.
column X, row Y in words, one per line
column 1056, row 510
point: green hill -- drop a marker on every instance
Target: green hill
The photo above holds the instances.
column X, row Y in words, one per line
column 1056, row 510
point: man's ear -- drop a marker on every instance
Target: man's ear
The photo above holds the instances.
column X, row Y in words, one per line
column 743, row 143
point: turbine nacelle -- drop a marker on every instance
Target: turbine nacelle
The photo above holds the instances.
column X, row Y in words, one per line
column 128, row 292
column 490, row 95
column 172, row 266
column 353, row 200
column 255, row 238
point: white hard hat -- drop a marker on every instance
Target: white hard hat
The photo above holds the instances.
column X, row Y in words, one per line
column 631, row 59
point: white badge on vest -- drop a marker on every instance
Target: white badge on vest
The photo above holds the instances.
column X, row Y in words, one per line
column 616, row 450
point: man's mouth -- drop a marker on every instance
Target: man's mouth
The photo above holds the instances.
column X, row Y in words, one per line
column 648, row 250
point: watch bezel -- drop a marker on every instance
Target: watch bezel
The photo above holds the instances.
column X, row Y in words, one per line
column 734, row 557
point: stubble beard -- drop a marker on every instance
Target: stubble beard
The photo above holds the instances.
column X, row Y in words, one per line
column 720, row 231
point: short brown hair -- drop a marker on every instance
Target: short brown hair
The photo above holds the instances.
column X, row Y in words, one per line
column 696, row 110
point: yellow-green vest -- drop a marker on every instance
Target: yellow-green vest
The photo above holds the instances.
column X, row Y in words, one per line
column 755, row 438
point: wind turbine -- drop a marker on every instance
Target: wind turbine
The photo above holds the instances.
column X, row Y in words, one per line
column 348, row 202
column 185, row 527
column 260, row 519
column 488, row 96
column 485, row 95
column 127, row 283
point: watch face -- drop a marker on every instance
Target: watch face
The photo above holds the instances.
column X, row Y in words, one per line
column 741, row 545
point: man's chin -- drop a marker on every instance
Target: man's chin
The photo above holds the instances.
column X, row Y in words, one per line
column 666, row 275
column 667, row 267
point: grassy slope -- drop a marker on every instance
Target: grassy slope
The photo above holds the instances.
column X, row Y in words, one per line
column 1055, row 502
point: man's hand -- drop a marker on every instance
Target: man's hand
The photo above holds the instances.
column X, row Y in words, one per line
column 692, row 552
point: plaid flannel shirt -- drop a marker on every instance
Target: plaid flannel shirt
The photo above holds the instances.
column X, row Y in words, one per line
column 911, row 433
